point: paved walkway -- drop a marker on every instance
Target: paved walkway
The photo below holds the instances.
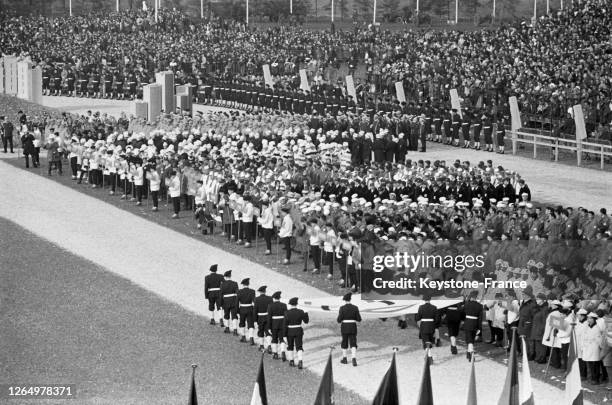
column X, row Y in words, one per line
column 173, row 266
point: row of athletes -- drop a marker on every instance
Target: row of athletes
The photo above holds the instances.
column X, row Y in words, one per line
column 279, row 329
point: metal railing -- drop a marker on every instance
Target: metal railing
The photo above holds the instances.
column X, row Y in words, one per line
column 601, row 148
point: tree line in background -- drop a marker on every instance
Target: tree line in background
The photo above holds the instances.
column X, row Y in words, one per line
column 278, row 10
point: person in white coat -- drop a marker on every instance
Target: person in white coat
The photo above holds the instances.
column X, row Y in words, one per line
column 267, row 224
column 580, row 328
column 555, row 334
column 593, row 345
column 285, row 233
column 174, row 188
column 154, row 184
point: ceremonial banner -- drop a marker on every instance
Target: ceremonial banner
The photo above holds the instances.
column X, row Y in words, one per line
column 10, row 75
column 267, row 75
column 515, row 113
column 24, row 79
column 166, row 79
column 581, row 133
column 35, row 94
column 141, row 109
column 455, row 102
column 304, row 80
column 399, row 91
column 350, row 87
column 152, row 95
column 370, row 309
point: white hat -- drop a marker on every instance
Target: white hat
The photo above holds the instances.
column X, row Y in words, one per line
column 593, row 315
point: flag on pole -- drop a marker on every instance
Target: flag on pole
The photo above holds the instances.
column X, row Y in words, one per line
column 471, row 399
column 426, row 393
column 325, row 396
column 388, row 393
column 510, row 394
column 526, row 389
column 259, row 391
column 573, row 386
column 193, row 397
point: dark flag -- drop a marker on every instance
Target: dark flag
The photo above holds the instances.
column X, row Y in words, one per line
column 426, row 393
column 388, row 393
column 325, row 396
column 259, row 391
column 510, row 394
column 193, row 397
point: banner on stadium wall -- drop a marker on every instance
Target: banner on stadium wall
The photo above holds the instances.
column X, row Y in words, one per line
column 304, row 80
column 455, row 102
column 515, row 113
column 399, row 91
column 350, row 87
column 581, row 133
column 267, row 75
column 369, row 308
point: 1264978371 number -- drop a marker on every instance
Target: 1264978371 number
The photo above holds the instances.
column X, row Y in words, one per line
column 55, row 391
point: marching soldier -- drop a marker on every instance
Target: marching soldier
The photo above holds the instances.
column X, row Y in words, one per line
column 501, row 135
column 246, row 298
column 473, row 320
column 348, row 317
column 454, row 316
column 487, row 129
column 276, row 323
column 261, row 304
column 212, row 292
column 295, row 333
column 229, row 302
column 427, row 319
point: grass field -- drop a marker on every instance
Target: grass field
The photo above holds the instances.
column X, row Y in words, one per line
column 66, row 320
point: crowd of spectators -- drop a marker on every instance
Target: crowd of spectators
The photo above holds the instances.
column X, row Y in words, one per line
column 550, row 66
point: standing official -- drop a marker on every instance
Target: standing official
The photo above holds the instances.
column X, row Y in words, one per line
column 229, row 302
column 427, row 319
column 261, row 304
column 246, row 299
column 294, row 318
column 212, row 292
column 473, row 321
column 276, row 323
column 286, row 232
column 348, row 317
column 7, row 134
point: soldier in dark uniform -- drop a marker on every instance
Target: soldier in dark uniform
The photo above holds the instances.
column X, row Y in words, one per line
column 423, row 131
column 276, row 324
column 501, row 135
column 261, row 304
column 348, row 317
column 465, row 129
column 477, row 126
column 212, row 292
column 437, row 125
column 246, row 298
column 487, row 129
column 295, row 333
column 427, row 319
column 456, row 123
column 454, row 316
column 473, row 322
column 447, row 128
column 229, row 302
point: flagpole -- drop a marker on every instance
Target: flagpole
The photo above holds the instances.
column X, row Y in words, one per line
column 156, row 10
column 247, row 12
column 456, row 12
column 70, row 7
column 374, row 15
column 202, row 9
column 332, row 10
column 290, row 6
column 117, row 6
